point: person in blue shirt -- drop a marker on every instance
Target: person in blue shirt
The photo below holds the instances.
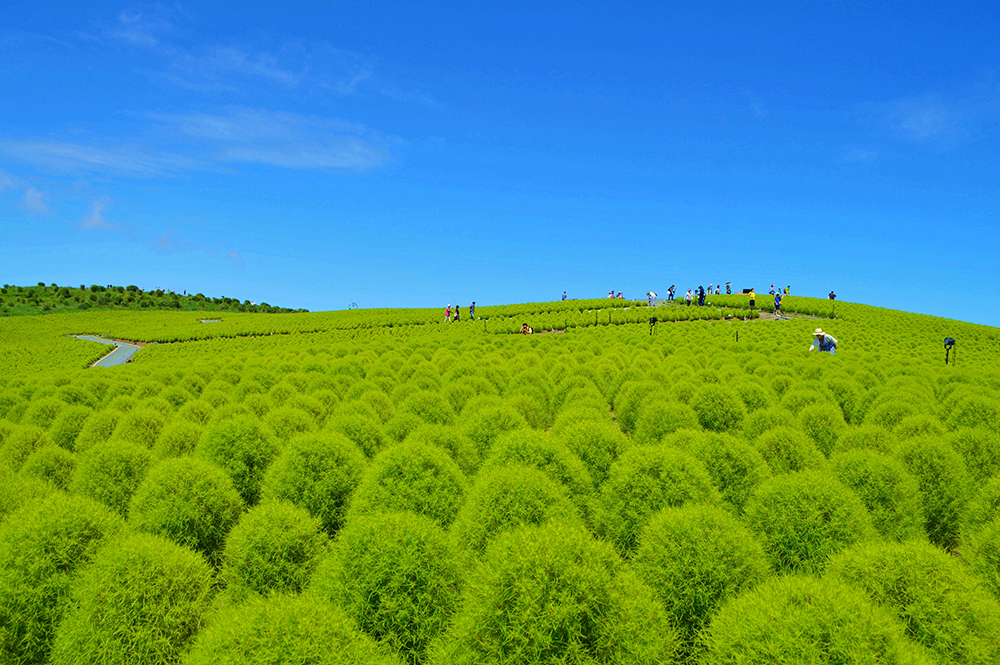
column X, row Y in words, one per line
column 823, row 341
column 777, row 304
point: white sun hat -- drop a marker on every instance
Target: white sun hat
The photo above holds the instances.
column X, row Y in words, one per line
column 819, row 331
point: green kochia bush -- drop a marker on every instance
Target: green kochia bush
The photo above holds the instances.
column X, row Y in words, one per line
column 110, row 472
column 597, row 444
column 736, row 467
column 141, row 426
column 68, row 424
column 506, row 499
column 318, row 472
column 285, row 629
column 52, row 463
column 415, row 477
column 984, row 506
column 555, row 595
column 696, row 557
column 793, row 620
column 274, row 547
column 981, row 549
column 719, row 409
column 823, row 423
column 804, row 518
column 787, row 450
column 459, row 446
column 397, row 577
column 190, row 501
column 945, row 486
column 179, row 438
column 17, row 490
column 98, row 428
column 484, row 421
column 244, row 449
column 659, row 417
column 888, row 490
column 943, row 606
column 641, row 482
column 532, row 448
column 42, row 546
column 140, row 601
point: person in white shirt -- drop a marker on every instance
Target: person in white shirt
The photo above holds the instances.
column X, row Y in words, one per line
column 823, row 341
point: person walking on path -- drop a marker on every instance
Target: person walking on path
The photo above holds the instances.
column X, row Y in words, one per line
column 771, row 292
column 564, row 297
column 753, row 300
column 652, row 298
column 688, row 297
column 777, row 304
column 718, row 290
column 833, row 296
column 787, row 288
column 823, row 341
column 701, row 296
column 472, row 311
column 670, row 292
column 729, row 288
column 457, row 308
column 447, row 313
column 710, row 285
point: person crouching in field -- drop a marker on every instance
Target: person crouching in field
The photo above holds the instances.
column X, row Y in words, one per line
column 526, row 329
column 823, row 341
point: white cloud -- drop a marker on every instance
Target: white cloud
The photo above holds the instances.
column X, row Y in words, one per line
column 33, row 202
column 72, row 157
column 235, row 257
column 96, row 218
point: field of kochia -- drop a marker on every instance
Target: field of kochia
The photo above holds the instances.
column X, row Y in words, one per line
column 381, row 486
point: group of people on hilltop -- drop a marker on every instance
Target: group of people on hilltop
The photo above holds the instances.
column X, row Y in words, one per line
column 611, row 294
column 448, row 316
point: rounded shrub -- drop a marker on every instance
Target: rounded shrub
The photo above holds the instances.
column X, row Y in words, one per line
column 823, row 423
column 52, row 463
column 243, row 448
column 275, row 546
column 984, row 506
column 945, row 486
column 42, row 546
column 888, row 490
column 506, row 499
column 532, row 448
column 695, row 557
column 735, row 466
column 189, row 501
column 867, row 437
column 788, row 450
column 719, row 409
column 642, row 481
column 763, row 420
column 484, row 421
column 318, row 472
column 919, row 425
column 658, row 418
column 804, row 518
column 17, row 490
column 754, row 393
column 890, row 412
column 179, row 438
column 630, row 399
column 458, row 445
column 942, row 605
column 597, row 444
column 398, row 578
column 555, row 595
column 287, row 422
column 19, row 444
column 110, row 472
column 140, row 600
column 68, row 425
column 981, row 550
column 196, row 411
column 799, row 619
column 140, row 426
column 365, row 430
column 285, row 629
column 415, row 477
column 980, row 448
column 974, row 411
column 429, row 406
column 42, row 412
column 98, row 428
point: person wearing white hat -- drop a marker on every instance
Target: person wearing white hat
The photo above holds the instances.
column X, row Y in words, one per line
column 823, row 341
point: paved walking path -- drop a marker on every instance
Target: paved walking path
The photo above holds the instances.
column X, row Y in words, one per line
column 119, row 356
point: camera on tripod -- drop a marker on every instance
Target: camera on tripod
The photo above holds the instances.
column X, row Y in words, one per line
column 949, row 344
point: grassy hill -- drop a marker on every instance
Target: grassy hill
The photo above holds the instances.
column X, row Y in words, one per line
column 385, row 486
column 42, row 299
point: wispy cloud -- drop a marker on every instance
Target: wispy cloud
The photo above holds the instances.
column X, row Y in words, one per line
column 286, row 140
column 938, row 119
column 77, row 158
column 235, row 257
column 861, row 156
column 96, row 220
column 34, row 203
column 6, row 182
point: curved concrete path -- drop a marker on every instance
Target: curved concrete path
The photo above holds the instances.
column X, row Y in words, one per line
column 119, row 356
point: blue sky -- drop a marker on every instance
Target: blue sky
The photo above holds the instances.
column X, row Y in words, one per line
column 317, row 154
